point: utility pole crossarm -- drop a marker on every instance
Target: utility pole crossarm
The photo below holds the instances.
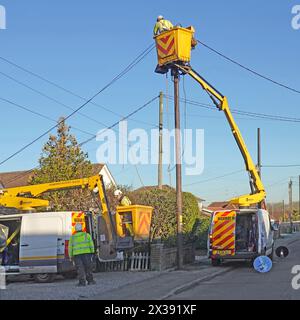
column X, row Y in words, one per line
column 258, row 195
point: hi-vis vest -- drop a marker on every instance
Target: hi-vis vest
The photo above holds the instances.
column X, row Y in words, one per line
column 161, row 26
column 125, row 202
column 81, row 243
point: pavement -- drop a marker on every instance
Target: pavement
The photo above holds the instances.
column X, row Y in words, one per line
column 199, row 281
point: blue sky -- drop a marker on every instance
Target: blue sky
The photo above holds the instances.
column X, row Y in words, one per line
column 83, row 45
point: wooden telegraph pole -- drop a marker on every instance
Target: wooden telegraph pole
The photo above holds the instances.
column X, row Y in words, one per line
column 178, row 170
column 291, row 204
column 299, row 199
column 160, row 157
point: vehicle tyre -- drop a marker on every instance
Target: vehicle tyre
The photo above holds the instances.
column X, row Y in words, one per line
column 215, row 262
column 70, row 275
column 44, row 277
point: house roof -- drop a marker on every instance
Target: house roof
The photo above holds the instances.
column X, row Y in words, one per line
column 21, row 178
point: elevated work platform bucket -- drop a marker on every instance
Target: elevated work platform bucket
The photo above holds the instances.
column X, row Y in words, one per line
column 174, row 45
column 134, row 221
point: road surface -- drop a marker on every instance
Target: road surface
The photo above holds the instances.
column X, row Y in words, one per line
column 244, row 283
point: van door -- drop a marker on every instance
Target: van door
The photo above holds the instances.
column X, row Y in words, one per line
column 39, row 243
column 265, row 240
column 223, row 233
column 268, row 231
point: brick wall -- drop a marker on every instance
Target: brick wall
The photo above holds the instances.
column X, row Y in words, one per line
column 165, row 258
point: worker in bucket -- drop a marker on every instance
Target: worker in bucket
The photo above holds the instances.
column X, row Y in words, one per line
column 123, row 201
column 162, row 25
column 81, row 250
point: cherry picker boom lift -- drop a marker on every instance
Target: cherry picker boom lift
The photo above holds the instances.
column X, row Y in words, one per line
column 55, row 228
column 225, row 240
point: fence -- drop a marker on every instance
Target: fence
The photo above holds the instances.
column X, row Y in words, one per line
column 135, row 261
column 285, row 227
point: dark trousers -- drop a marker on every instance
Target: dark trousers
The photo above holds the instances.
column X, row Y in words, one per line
column 83, row 263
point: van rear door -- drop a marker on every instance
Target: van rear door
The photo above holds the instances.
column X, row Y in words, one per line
column 39, row 243
column 223, row 233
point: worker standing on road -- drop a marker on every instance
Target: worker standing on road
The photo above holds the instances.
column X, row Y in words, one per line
column 123, row 201
column 162, row 25
column 81, row 249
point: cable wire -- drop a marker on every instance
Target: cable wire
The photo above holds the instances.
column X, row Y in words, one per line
column 240, row 112
column 23, row 174
column 115, row 79
column 215, row 178
column 145, row 52
column 249, row 69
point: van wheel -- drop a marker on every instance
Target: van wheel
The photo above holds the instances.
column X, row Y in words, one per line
column 215, row 262
column 44, row 277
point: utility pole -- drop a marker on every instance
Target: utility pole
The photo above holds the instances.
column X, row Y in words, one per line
column 291, row 204
column 283, row 211
column 259, row 159
column 258, row 152
column 160, row 157
column 175, row 73
column 299, row 199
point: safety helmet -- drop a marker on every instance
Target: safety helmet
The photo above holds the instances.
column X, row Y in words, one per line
column 160, row 17
column 118, row 193
column 78, row 227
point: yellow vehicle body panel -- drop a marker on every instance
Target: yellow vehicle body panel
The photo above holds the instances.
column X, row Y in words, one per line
column 223, row 233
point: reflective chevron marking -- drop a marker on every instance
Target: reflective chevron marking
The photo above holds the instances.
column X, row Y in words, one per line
column 166, row 46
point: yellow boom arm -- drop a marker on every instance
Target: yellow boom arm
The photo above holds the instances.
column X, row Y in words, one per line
column 25, row 198
column 258, row 191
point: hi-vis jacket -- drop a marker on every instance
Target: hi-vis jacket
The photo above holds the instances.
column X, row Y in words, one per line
column 161, row 26
column 81, row 243
column 125, row 201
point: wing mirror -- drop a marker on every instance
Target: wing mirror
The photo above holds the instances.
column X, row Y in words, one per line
column 274, row 226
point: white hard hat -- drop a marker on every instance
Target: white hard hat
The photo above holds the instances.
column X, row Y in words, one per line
column 78, row 227
column 160, row 17
column 118, row 193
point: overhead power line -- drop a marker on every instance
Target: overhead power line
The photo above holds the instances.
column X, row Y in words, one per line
column 282, row 166
column 23, row 174
column 34, row 74
column 115, row 79
column 215, row 178
column 249, row 69
column 240, row 112
column 124, row 118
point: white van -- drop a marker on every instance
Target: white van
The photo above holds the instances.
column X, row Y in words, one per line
column 240, row 234
column 40, row 246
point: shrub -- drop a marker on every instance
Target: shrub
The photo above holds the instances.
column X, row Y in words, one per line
column 164, row 223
